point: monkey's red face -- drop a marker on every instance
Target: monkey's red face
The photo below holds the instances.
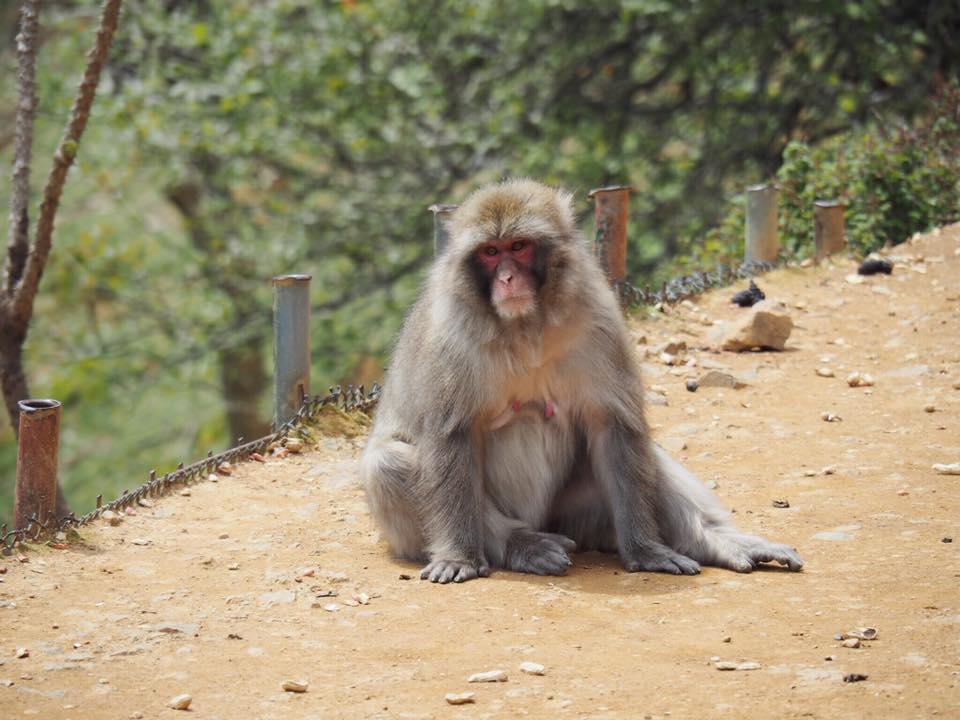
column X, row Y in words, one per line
column 508, row 265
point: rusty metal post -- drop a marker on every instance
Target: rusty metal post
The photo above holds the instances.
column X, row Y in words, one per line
column 37, row 459
column 291, row 345
column 441, row 232
column 830, row 232
column 763, row 239
column 611, row 206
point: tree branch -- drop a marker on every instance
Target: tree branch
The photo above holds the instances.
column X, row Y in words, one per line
column 26, row 290
column 18, row 232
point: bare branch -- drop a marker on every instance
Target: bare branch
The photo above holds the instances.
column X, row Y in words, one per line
column 18, row 233
column 26, row 290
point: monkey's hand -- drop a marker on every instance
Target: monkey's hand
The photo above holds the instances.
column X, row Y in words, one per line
column 655, row 557
column 538, row 552
column 444, row 571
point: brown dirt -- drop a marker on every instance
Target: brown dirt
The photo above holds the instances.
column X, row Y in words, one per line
column 221, row 594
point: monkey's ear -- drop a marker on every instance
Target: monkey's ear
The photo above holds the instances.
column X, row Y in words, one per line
column 565, row 207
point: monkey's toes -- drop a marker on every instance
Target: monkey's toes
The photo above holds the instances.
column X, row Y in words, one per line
column 446, row 571
column 665, row 561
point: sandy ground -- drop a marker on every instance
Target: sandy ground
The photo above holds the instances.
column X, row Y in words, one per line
column 276, row 572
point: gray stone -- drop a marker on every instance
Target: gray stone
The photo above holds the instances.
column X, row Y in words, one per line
column 766, row 326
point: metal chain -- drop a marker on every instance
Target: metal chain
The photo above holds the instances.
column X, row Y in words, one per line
column 351, row 399
column 687, row 286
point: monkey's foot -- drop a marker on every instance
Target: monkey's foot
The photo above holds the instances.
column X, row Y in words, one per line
column 538, row 552
column 444, row 571
column 747, row 552
column 655, row 557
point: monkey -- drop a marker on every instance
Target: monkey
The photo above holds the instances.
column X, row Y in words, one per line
column 511, row 427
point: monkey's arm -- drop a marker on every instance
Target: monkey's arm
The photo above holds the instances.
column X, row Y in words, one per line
column 451, row 492
column 623, row 462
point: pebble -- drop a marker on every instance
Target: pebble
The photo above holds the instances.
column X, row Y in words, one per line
column 186, row 493
column 851, row 642
column 180, row 702
column 233, row 566
column 111, row 517
column 22, row 653
column 729, row 665
column 294, row 445
column 781, row 503
column 692, row 385
column 460, row 698
column 854, row 677
column 295, row 686
column 859, row 379
column 830, row 417
column 863, row 633
column 140, row 541
column 825, row 372
column 929, row 408
column 488, row 676
column 715, row 378
column 225, row 468
column 947, row 468
column 532, row 668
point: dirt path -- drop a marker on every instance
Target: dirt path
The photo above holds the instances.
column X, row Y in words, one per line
column 228, row 591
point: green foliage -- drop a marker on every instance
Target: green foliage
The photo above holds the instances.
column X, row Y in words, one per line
column 893, row 182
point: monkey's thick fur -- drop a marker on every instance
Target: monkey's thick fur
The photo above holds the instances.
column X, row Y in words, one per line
column 510, row 443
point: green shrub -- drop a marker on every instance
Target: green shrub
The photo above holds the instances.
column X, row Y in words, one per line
column 893, row 181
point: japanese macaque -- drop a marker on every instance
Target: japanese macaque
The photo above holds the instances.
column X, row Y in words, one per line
column 511, row 429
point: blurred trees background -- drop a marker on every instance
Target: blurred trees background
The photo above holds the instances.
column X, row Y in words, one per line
column 233, row 141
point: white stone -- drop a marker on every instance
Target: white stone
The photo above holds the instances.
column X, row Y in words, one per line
column 488, row 676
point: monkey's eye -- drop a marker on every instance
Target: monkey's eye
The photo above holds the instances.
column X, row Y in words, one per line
column 490, row 250
column 518, row 246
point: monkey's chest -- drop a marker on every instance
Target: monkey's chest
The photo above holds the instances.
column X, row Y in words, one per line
column 527, row 459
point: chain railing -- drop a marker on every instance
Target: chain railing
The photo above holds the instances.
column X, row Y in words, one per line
column 349, row 399
column 687, row 286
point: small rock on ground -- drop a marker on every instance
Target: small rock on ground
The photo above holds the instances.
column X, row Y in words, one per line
column 488, row 676
column 459, row 698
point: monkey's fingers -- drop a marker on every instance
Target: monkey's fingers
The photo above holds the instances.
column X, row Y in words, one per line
column 752, row 551
column 445, row 571
column 563, row 541
column 660, row 558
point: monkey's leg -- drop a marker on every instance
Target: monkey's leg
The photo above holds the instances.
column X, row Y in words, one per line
column 694, row 523
column 622, row 459
column 449, row 492
column 389, row 469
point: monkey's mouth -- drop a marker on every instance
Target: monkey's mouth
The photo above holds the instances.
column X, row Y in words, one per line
column 513, row 306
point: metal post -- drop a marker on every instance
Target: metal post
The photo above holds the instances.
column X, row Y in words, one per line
column 291, row 345
column 37, row 458
column 828, row 221
column 611, row 205
column 763, row 240
column 441, row 232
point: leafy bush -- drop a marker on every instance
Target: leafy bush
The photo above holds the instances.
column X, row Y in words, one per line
column 893, row 183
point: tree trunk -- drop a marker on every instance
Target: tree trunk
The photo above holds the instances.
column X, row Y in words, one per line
column 243, row 378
